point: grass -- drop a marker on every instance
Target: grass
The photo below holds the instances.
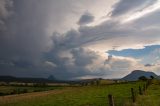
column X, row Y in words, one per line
column 152, row 96
column 104, row 82
column 74, row 96
column 8, row 90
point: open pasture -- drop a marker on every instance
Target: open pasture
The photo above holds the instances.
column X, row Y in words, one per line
column 73, row 96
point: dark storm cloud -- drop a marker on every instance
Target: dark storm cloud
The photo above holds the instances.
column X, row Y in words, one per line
column 69, row 57
column 26, row 45
column 74, row 66
column 86, row 18
column 25, row 32
column 82, row 57
column 124, row 6
column 27, row 49
column 24, row 39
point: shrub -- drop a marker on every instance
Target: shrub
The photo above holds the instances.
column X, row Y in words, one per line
column 143, row 78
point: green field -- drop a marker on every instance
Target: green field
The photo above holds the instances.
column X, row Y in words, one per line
column 151, row 97
column 9, row 90
column 74, row 96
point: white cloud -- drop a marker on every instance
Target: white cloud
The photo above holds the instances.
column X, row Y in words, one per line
column 50, row 64
column 70, row 11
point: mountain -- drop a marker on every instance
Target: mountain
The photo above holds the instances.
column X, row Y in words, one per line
column 7, row 78
column 134, row 75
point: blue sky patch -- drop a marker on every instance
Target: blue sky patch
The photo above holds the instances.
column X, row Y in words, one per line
column 135, row 53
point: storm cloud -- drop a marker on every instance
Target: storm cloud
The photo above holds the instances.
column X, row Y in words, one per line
column 58, row 37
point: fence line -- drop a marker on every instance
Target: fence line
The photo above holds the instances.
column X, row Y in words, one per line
column 111, row 100
column 133, row 93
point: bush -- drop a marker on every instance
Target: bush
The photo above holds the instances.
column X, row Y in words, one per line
column 143, row 78
column 25, row 91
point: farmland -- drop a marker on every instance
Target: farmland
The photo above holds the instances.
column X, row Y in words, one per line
column 74, row 96
column 151, row 98
column 9, row 90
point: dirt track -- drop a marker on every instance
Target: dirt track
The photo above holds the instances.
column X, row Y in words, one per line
column 17, row 97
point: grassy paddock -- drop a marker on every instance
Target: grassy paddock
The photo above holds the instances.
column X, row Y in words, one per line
column 151, row 97
column 74, row 96
column 10, row 90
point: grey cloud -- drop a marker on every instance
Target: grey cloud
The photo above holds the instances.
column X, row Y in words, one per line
column 74, row 65
column 22, row 64
column 82, row 57
column 5, row 11
column 5, row 8
column 86, row 18
column 124, row 6
column 26, row 47
column 107, row 31
column 26, row 35
column 24, row 40
column 149, row 20
column 86, row 35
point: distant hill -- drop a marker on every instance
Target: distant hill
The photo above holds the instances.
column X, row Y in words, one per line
column 52, row 78
column 134, row 75
column 28, row 80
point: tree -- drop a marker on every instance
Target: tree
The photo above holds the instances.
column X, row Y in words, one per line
column 98, row 82
column 92, row 82
column 152, row 77
column 143, row 78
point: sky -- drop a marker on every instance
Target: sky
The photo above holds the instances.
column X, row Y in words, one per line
column 78, row 39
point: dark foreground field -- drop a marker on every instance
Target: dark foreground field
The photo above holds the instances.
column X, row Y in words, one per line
column 74, row 96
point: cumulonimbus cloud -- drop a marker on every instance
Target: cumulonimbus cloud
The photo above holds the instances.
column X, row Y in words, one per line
column 28, row 49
